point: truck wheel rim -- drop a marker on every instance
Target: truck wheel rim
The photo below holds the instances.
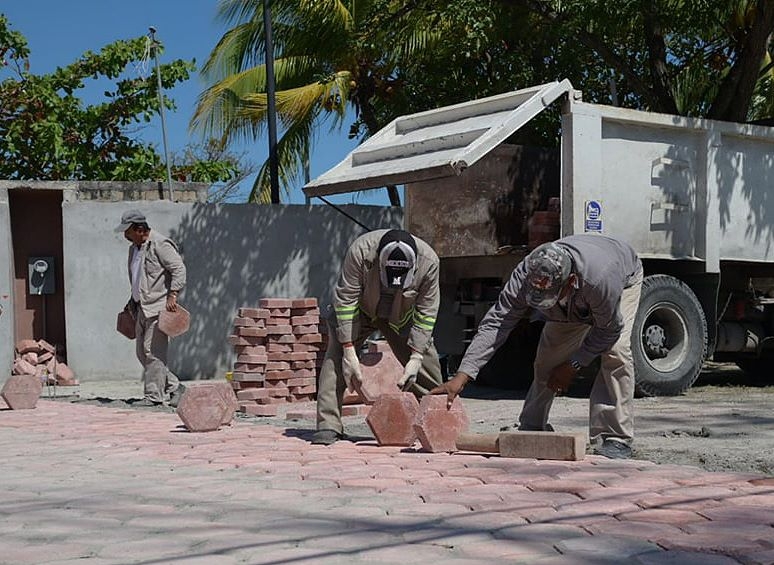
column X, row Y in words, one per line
column 664, row 338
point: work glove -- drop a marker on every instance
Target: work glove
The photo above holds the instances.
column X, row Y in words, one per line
column 411, row 371
column 350, row 368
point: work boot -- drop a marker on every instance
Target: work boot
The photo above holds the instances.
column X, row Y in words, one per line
column 613, row 449
column 177, row 394
column 326, row 437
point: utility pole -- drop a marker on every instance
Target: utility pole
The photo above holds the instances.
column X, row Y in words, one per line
column 154, row 46
column 271, row 107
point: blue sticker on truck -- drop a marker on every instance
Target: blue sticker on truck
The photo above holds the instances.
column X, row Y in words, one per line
column 593, row 217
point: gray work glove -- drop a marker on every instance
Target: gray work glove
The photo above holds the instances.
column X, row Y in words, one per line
column 410, row 371
column 350, row 368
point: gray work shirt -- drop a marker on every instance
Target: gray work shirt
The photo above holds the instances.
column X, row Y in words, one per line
column 604, row 267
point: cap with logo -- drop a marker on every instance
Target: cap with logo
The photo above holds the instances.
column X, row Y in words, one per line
column 397, row 254
column 548, row 269
column 130, row 217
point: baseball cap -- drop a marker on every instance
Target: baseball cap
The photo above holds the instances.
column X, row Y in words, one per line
column 130, row 217
column 548, row 269
column 397, row 253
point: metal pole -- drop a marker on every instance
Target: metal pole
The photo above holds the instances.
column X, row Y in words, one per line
column 270, row 107
column 154, row 46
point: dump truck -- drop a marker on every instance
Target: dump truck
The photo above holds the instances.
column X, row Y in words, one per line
column 694, row 197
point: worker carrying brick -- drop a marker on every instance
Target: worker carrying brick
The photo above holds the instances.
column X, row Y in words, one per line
column 587, row 289
column 389, row 283
column 156, row 275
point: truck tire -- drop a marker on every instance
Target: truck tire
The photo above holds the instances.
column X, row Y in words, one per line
column 669, row 337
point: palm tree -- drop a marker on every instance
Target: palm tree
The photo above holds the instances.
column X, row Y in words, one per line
column 329, row 60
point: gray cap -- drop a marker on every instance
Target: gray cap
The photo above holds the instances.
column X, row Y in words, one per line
column 130, row 217
column 548, row 269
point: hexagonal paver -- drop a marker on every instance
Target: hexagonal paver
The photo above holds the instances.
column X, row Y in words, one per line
column 230, row 398
column 21, row 392
column 174, row 323
column 381, row 372
column 392, row 418
column 437, row 426
column 202, row 407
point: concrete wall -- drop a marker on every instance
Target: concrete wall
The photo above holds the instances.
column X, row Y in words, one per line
column 235, row 254
column 6, row 286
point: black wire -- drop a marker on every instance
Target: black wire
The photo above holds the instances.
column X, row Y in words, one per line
column 332, row 205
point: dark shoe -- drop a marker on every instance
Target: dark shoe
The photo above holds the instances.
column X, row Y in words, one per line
column 613, row 449
column 146, row 402
column 177, row 394
column 326, row 437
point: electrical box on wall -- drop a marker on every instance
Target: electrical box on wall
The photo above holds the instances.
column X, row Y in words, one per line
column 40, row 272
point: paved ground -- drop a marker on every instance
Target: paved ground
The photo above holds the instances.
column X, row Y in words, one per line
column 100, row 484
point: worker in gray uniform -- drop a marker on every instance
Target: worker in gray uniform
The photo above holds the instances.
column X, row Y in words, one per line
column 587, row 289
column 389, row 283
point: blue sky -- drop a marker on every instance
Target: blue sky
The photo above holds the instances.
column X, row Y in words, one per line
column 60, row 31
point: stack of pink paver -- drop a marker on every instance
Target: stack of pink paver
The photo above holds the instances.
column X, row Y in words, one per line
column 279, row 348
column 40, row 358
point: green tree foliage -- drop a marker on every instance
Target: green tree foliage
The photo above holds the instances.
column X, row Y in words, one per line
column 47, row 132
column 362, row 63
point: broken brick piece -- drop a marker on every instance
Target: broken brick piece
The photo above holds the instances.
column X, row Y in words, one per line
column 274, row 303
column 28, row 346
column 392, row 418
column 304, row 303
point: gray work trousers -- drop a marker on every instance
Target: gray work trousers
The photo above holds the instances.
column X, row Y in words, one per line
column 331, row 386
column 152, row 346
column 611, row 402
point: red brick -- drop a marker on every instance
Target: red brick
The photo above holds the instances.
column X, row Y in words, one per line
column 240, row 322
column 302, row 373
column 260, row 410
column 279, row 348
column 251, row 332
column 254, row 313
column 304, row 390
column 277, row 391
column 303, row 303
column 304, row 320
column 202, row 407
column 21, row 392
column 241, row 377
column 64, row 375
column 356, row 410
column 230, row 398
column 311, row 311
column 252, row 393
column 278, row 321
column 310, row 338
column 301, row 415
column 279, row 312
column 437, row 426
column 379, row 346
column 45, row 346
column 392, row 418
column 45, row 357
column 237, row 340
column 296, row 365
column 301, row 356
column 351, row 397
column 277, row 366
column 275, row 384
column 302, row 330
column 30, row 357
column 284, row 339
column 271, row 400
column 247, row 358
column 301, row 348
column 278, row 356
column 250, row 349
column 279, row 375
column 22, row 367
column 278, row 330
column 28, row 345
column 249, row 367
column 381, row 372
column 174, row 323
column 274, row 303
column 302, row 381
column 301, row 397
